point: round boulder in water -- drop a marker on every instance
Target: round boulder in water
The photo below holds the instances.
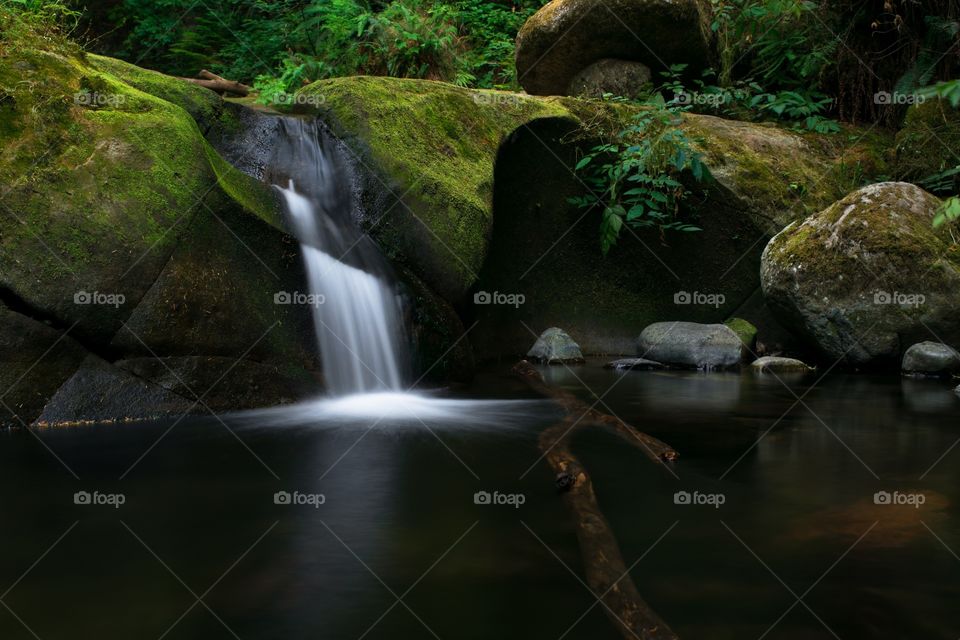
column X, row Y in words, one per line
column 866, row 276
column 565, row 37
column 554, row 346
column 771, row 364
column 931, row 359
column 688, row 344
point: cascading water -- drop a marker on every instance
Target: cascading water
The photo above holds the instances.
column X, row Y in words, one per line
column 356, row 312
column 359, row 323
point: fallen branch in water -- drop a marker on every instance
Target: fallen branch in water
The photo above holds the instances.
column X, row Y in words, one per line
column 607, row 574
column 221, row 85
column 655, row 449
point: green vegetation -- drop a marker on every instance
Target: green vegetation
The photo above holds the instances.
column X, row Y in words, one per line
column 636, row 180
column 807, row 64
column 281, row 45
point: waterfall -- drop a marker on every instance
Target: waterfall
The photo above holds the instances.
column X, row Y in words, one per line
column 356, row 312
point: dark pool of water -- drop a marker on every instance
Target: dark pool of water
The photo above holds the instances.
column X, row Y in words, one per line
column 399, row 549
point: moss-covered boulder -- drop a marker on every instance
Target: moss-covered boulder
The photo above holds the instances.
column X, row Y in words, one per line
column 868, row 276
column 775, row 175
column 746, row 332
column 427, row 150
column 123, row 230
column 566, row 36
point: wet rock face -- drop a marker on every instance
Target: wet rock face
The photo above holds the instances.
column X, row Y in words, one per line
column 931, row 359
column 867, row 276
column 567, row 36
column 554, row 346
column 688, row 344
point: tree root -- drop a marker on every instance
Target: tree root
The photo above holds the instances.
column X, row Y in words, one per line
column 607, row 574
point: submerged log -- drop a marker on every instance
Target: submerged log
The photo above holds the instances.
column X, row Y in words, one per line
column 607, row 574
column 655, row 449
column 221, row 85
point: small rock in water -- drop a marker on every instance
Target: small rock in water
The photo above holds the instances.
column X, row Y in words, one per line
column 554, row 346
column 772, row 364
column 641, row 364
column 688, row 344
column 932, row 359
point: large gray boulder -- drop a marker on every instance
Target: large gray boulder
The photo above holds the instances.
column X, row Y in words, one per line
column 867, row 276
column 931, row 358
column 554, row 346
column 688, row 344
column 567, row 36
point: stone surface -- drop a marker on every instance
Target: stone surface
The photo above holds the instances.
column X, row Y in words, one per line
column 688, row 344
column 773, row 364
column 640, row 364
column 931, row 358
column 35, row 359
column 555, row 346
column 100, row 392
column 867, row 276
column 567, row 36
column 609, row 76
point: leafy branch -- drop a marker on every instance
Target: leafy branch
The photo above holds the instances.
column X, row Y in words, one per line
column 635, row 179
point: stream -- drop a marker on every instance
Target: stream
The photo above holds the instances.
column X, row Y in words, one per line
column 383, row 537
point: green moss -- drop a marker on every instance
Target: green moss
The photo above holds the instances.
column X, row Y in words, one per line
column 202, row 104
column 254, row 196
column 744, row 330
column 100, row 177
column 781, row 175
column 878, row 223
